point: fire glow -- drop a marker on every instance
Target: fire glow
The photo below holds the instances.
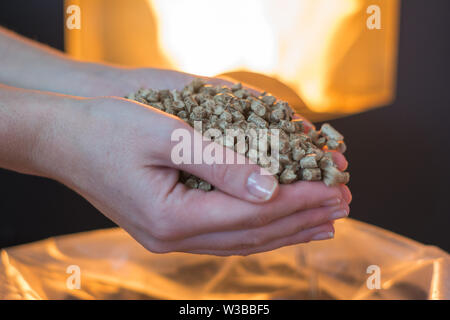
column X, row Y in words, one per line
column 291, row 40
column 321, row 50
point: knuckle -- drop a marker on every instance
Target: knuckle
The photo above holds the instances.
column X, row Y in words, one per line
column 302, row 227
column 319, row 195
column 308, row 202
column 259, row 220
column 315, row 218
column 221, row 173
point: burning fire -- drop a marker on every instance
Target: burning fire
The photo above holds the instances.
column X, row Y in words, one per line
column 289, row 40
column 320, row 50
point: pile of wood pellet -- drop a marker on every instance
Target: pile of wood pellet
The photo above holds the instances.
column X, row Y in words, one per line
column 302, row 151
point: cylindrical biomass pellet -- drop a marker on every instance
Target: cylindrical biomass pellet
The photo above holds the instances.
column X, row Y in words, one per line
column 332, row 176
column 309, row 161
column 311, row 174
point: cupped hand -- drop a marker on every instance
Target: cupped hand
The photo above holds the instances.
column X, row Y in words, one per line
column 117, row 154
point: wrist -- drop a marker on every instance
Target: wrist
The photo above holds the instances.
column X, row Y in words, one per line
column 26, row 119
column 48, row 154
column 88, row 79
column 53, row 153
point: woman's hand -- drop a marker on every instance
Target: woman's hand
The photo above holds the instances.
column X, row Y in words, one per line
column 116, row 154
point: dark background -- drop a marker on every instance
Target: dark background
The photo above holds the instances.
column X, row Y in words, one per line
column 399, row 155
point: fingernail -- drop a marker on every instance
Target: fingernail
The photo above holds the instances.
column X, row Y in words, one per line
column 323, row 236
column 339, row 214
column 331, row 202
column 261, row 186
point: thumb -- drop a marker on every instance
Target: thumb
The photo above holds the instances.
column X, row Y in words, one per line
column 226, row 170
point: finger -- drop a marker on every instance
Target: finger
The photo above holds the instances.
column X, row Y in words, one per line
column 249, row 238
column 323, row 232
column 347, row 195
column 339, row 160
column 225, row 169
column 192, row 212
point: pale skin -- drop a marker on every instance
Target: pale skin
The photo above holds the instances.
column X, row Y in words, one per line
column 63, row 119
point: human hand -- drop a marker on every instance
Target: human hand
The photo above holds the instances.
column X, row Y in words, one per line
column 116, row 154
